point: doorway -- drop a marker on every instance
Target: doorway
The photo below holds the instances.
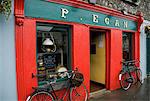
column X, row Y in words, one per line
column 97, row 60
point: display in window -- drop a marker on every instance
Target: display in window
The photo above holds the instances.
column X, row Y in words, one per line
column 127, row 46
column 52, row 51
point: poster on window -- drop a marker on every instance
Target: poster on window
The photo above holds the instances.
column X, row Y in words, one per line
column 100, row 41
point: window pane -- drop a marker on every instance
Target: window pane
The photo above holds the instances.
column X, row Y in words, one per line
column 127, row 46
column 52, row 49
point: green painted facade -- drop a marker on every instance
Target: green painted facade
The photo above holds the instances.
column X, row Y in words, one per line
column 53, row 11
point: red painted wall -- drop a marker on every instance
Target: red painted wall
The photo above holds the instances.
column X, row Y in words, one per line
column 81, row 50
column 19, row 60
column 29, row 54
column 25, row 57
column 115, row 57
column 137, row 45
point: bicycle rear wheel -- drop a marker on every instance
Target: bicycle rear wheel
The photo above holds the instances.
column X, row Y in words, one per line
column 123, row 79
column 79, row 93
column 40, row 96
column 139, row 76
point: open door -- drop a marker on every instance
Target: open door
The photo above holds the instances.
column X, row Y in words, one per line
column 97, row 60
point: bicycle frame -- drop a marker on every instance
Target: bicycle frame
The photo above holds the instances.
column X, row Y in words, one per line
column 53, row 92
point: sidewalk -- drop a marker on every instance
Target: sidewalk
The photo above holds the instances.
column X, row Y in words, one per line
column 135, row 93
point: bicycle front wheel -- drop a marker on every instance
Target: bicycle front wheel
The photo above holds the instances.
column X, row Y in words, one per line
column 79, row 93
column 40, row 96
column 123, row 79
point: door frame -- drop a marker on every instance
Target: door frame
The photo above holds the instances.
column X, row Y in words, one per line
column 107, row 52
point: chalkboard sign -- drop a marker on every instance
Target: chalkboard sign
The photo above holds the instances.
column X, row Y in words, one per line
column 49, row 60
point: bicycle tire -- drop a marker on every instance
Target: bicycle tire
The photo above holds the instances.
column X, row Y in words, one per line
column 40, row 96
column 79, row 93
column 123, row 80
column 139, row 76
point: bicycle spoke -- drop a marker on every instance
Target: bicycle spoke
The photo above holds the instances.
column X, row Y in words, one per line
column 79, row 93
column 41, row 96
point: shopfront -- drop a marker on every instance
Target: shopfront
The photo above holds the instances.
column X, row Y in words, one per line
column 92, row 38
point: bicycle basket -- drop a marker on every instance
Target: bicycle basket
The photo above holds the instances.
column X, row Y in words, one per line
column 77, row 79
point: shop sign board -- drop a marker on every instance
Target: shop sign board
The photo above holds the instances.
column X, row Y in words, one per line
column 54, row 11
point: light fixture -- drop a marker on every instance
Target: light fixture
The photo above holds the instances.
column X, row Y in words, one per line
column 47, row 41
column 92, row 1
column 48, row 44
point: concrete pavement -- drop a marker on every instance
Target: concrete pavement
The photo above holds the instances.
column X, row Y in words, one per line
column 135, row 93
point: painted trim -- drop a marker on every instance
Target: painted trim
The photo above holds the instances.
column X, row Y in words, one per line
column 19, row 8
column 19, row 58
column 25, row 82
column 107, row 52
column 107, row 59
column 133, row 45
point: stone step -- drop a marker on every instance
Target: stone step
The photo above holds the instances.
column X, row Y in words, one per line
column 99, row 93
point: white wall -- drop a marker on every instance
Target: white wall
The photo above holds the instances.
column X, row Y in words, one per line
column 7, row 59
column 143, row 56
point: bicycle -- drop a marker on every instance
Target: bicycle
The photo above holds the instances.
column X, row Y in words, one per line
column 130, row 74
column 76, row 88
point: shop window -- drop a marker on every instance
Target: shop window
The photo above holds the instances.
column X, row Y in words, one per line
column 53, row 49
column 128, row 46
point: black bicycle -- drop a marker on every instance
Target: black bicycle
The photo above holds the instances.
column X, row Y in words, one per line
column 74, row 91
column 130, row 74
